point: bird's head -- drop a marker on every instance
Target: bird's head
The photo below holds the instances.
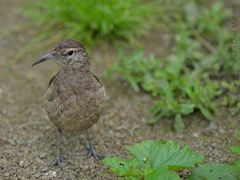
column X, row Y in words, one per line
column 68, row 54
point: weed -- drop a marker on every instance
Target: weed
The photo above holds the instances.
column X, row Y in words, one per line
column 219, row 170
column 153, row 160
column 182, row 82
column 178, row 92
column 214, row 171
column 93, row 20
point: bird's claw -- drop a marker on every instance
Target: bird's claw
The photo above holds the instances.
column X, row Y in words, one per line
column 92, row 153
column 59, row 161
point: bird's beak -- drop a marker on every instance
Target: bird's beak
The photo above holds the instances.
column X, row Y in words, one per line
column 45, row 57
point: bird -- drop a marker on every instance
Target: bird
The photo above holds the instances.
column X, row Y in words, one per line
column 74, row 98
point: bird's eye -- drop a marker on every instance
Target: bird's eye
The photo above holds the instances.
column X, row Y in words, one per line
column 70, row 53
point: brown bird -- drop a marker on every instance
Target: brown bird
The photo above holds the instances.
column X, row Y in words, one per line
column 75, row 96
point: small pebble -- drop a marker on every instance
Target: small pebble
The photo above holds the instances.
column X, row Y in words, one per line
column 196, row 135
column 180, row 136
column 214, row 145
column 6, row 174
column 37, row 175
column 4, row 112
column 42, row 156
column 222, row 131
column 45, row 169
column 21, row 163
column 84, row 168
column 51, row 174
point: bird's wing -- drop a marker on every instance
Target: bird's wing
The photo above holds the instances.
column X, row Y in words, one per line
column 51, row 80
column 95, row 77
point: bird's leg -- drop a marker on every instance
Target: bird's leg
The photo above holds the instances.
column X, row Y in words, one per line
column 91, row 150
column 59, row 160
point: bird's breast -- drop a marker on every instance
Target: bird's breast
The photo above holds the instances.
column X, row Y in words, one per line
column 73, row 102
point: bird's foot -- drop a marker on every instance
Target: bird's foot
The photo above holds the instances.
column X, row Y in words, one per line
column 59, row 161
column 92, row 153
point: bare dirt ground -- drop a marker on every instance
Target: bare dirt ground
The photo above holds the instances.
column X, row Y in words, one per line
column 27, row 137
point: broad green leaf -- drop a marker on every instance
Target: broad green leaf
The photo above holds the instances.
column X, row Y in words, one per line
column 213, row 172
column 178, row 123
column 165, row 153
column 186, row 109
column 145, row 151
column 123, row 167
column 162, row 174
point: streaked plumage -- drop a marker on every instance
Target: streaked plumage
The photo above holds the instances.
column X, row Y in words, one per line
column 75, row 96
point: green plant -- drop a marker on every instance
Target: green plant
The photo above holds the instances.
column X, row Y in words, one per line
column 205, row 33
column 202, row 96
column 183, row 81
column 93, row 20
column 177, row 89
column 156, row 160
column 214, row 171
column 152, row 160
column 219, row 170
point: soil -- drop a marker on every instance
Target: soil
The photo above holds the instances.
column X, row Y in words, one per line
column 27, row 137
